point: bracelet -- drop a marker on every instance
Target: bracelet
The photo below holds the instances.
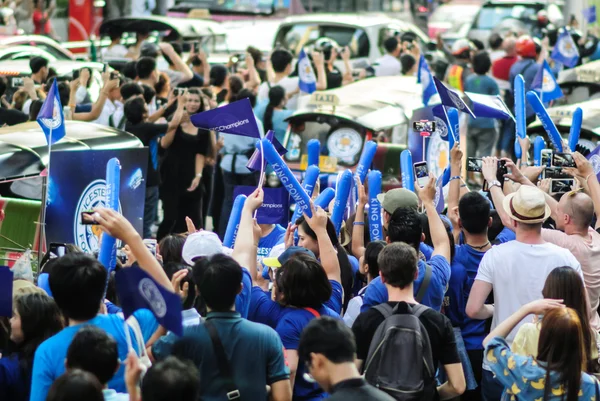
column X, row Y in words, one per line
column 588, row 177
column 359, row 223
column 199, row 175
column 456, row 177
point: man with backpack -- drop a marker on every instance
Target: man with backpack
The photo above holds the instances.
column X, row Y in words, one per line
column 404, row 364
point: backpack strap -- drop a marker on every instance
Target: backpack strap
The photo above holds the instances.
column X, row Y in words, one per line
column 418, row 309
column 424, row 284
column 313, row 311
column 385, row 309
column 224, row 368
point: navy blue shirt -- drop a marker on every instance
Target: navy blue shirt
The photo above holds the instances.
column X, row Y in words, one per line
column 251, row 374
column 377, row 292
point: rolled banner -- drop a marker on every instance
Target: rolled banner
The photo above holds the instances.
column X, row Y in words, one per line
column 455, row 129
column 366, row 159
column 234, row 221
column 446, row 176
column 538, row 145
column 375, row 226
column 310, row 180
column 575, row 129
column 520, row 116
column 108, row 249
column 406, row 169
column 325, row 198
column 287, row 178
column 547, row 122
column 313, row 148
column 342, row 192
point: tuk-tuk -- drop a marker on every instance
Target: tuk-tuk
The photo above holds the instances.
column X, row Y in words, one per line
column 23, row 157
column 580, row 83
column 344, row 119
column 562, row 116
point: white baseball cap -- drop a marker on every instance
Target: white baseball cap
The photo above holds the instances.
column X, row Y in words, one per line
column 202, row 243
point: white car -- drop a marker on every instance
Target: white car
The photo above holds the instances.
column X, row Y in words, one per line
column 363, row 33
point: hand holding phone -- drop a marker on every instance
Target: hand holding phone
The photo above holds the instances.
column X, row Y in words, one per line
column 563, row 160
column 421, row 173
column 88, row 218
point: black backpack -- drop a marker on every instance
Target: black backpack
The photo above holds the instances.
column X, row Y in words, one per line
column 399, row 360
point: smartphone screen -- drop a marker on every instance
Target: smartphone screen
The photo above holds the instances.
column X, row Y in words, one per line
column 87, row 218
column 555, row 173
column 546, row 158
column 563, row 160
column 421, row 173
column 474, row 164
column 17, row 82
column 561, row 186
column 424, row 126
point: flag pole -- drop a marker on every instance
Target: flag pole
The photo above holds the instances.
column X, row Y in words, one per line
column 42, row 239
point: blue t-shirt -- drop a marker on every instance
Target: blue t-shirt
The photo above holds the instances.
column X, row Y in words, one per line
column 464, row 270
column 242, row 301
column 279, row 116
column 49, row 360
column 289, row 329
column 484, row 85
column 440, row 274
column 13, row 386
column 251, row 373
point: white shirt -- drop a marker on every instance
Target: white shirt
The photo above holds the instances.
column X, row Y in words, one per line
column 116, row 51
column 142, row 8
column 387, row 65
column 518, row 272
column 190, row 317
column 290, row 84
column 110, row 109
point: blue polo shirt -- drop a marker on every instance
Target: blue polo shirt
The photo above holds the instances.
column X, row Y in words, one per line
column 254, row 351
column 376, row 292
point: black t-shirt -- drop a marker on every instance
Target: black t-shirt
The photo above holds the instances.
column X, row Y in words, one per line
column 12, row 117
column 334, row 78
column 438, row 326
column 148, row 133
column 357, row 390
column 178, row 167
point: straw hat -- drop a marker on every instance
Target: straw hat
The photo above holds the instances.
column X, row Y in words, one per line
column 527, row 205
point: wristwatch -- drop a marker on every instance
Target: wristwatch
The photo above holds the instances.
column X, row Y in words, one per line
column 199, row 175
column 494, row 183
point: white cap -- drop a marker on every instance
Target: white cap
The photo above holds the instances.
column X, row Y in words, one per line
column 202, row 243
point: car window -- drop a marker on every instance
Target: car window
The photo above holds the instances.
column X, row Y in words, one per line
column 392, row 30
column 53, row 51
column 491, row 16
column 294, row 37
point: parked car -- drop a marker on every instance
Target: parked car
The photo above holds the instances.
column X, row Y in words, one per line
column 580, row 83
column 451, row 17
column 40, row 42
column 24, row 53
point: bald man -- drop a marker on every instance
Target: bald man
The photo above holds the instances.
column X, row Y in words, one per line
column 573, row 215
column 501, row 66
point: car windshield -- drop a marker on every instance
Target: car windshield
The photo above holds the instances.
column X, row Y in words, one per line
column 459, row 14
column 490, row 16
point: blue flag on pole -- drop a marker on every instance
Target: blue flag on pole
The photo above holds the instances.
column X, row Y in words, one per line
column 424, row 78
column 234, row 118
column 544, row 83
column 137, row 290
column 51, row 117
column 6, row 291
column 307, row 79
column 565, row 50
column 488, row 106
column 450, row 98
column 590, row 14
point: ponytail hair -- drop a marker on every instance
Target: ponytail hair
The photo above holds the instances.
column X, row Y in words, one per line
column 276, row 96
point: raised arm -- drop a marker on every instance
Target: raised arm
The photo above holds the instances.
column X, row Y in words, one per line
column 327, row 252
column 178, row 63
column 456, row 155
column 246, row 240
column 167, row 140
column 253, row 77
column 586, row 172
column 319, row 61
column 439, row 236
column 96, row 107
column 358, row 229
column 489, row 168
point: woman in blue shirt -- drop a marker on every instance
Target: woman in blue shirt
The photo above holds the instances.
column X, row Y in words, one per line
column 36, row 317
column 558, row 371
column 273, row 113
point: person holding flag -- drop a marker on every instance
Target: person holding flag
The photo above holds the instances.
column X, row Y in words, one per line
column 545, row 84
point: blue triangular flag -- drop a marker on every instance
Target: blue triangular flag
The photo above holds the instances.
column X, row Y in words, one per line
column 51, row 117
column 590, row 14
column 424, row 78
column 137, row 290
column 307, row 79
column 565, row 50
column 450, row 98
column 544, row 83
column 254, row 161
column 488, row 106
column 6, row 291
column 234, row 118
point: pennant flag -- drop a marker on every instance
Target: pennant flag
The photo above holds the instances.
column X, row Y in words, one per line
column 234, row 118
column 594, row 158
column 448, row 130
column 51, row 117
column 565, row 50
column 6, row 291
column 488, row 106
column 424, row 78
column 254, row 162
column 590, row 14
column 137, row 290
column 440, row 203
column 544, row 83
column 307, row 79
column 450, row 98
